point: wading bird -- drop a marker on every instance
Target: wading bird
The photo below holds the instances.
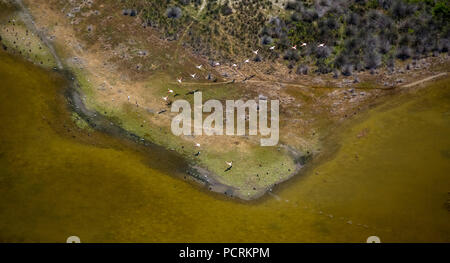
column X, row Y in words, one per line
column 165, row 98
column 256, row 52
column 321, row 45
column 179, row 80
column 170, row 91
column 199, row 66
column 246, row 61
column 197, row 145
column 234, row 65
column 272, row 48
column 294, row 47
column 230, row 165
column 304, row 44
column 193, row 75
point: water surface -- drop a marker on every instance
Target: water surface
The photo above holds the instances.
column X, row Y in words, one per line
column 390, row 178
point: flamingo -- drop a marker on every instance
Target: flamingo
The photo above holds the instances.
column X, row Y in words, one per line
column 230, row 165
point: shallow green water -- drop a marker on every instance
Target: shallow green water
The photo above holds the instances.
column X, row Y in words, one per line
column 57, row 181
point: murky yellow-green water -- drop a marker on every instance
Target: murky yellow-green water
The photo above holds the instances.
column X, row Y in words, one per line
column 56, row 181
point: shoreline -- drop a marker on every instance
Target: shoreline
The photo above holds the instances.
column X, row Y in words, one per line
column 102, row 123
column 199, row 174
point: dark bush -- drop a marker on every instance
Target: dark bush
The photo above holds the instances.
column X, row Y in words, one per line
column 352, row 44
column 184, row 2
column 385, row 4
column 275, row 21
column 353, row 19
column 294, row 5
column 323, row 52
column 296, row 17
column 335, row 74
column 374, row 18
column 350, row 31
column 359, row 66
column 340, row 61
column 323, row 3
column 384, row 46
column 302, row 69
column 310, row 15
column 361, row 2
column 265, row 31
column 347, row 70
column 402, row 9
column 291, row 55
column 441, row 10
column 443, row 45
column 322, row 68
column 371, row 42
column 332, row 23
column 372, row 59
column 174, row 12
column 404, row 40
column 266, row 40
column 276, row 32
column 403, row 53
column 226, row 10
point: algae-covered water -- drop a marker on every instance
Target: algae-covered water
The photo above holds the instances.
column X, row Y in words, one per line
column 389, row 177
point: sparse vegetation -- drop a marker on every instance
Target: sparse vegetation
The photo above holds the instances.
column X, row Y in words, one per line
column 367, row 31
column 358, row 34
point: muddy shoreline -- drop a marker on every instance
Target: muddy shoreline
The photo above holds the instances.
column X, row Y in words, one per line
column 200, row 174
column 99, row 122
